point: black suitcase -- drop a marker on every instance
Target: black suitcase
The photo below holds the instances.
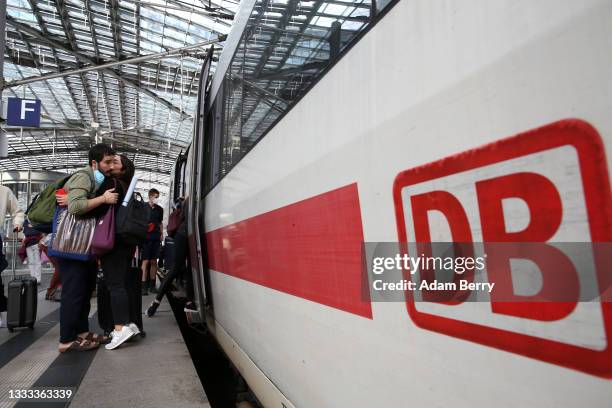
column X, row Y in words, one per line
column 22, row 303
column 22, row 298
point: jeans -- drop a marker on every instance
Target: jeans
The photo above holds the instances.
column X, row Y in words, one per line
column 181, row 252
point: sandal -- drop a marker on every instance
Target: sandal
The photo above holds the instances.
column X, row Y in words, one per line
column 97, row 338
column 50, row 293
column 80, row 345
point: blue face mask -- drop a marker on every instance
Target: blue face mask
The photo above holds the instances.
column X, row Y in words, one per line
column 98, row 176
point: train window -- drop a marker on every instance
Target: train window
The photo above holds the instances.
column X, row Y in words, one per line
column 285, row 48
column 179, row 176
column 213, row 134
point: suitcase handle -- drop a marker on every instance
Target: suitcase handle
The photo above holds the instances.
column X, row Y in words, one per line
column 14, row 255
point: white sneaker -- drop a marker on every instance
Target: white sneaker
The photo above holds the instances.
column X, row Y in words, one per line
column 120, row 337
column 134, row 328
column 2, row 319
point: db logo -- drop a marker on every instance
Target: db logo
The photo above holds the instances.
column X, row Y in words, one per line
column 547, row 185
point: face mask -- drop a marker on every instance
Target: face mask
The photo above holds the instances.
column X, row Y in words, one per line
column 98, row 176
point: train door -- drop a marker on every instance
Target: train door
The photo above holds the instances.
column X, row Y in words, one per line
column 197, row 257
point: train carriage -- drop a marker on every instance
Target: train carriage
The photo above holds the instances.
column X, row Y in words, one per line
column 479, row 121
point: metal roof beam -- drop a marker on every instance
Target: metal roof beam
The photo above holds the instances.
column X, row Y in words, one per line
column 138, row 69
column 114, row 6
column 127, row 133
column 30, row 31
column 42, row 26
column 95, row 67
column 71, row 149
column 11, row 165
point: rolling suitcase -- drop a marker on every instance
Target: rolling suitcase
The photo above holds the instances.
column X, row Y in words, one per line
column 22, row 299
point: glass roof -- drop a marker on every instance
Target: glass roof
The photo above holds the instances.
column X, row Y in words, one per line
column 143, row 109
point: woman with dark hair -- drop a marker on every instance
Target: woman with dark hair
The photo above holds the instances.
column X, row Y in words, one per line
column 116, row 264
column 123, row 170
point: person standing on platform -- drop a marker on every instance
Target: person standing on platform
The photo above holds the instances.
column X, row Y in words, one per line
column 79, row 277
column 114, row 309
column 8, row 204
column 150, row 247
column 55, row 283
column 30, row 241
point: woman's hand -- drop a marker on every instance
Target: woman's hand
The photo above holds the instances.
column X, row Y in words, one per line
column 110, row 197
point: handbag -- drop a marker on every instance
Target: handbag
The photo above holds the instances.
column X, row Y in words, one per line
column 72, row 235
column 103, row 239
column 133, row 220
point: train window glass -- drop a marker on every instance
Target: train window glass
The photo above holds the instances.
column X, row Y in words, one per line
column 382, row 4
column 285, row 48
column 211, row 153
column 179, row 176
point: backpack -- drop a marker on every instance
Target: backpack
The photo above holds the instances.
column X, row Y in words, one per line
column 41, row 210
column 132, row 220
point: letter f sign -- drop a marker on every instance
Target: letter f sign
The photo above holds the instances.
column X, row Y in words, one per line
column 23, row 112
column 24, row 107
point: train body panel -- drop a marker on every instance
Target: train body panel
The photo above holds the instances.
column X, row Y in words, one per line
column 421, row 86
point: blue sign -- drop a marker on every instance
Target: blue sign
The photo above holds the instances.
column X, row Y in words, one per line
column 23, row 112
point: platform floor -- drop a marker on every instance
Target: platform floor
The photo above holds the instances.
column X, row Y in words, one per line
column 155, row 371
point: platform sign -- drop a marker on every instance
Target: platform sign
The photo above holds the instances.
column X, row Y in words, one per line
column 550, row 184
column 23, row 112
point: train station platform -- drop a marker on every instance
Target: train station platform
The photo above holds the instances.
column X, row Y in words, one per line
column 153, row 371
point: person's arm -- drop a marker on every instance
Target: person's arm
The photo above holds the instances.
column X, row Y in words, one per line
column 78, row 190
column 109, row 197
column 16, row 212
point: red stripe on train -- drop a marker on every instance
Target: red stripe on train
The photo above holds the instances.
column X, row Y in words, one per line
column 311, row 249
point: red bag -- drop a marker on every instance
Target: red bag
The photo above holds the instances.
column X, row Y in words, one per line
column 174, row 221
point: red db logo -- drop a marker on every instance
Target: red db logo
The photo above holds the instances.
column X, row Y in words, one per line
column 546, row 185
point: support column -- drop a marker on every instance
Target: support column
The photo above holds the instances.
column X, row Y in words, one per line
column 3, row 137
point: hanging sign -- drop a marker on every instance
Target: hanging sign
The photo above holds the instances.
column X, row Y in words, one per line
column 23, row 112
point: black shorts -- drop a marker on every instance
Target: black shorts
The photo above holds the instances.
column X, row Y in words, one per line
column 150, row 250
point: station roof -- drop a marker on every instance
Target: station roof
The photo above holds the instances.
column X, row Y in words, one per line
column 143, row 109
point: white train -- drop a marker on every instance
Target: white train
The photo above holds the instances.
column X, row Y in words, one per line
column 444, row 120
